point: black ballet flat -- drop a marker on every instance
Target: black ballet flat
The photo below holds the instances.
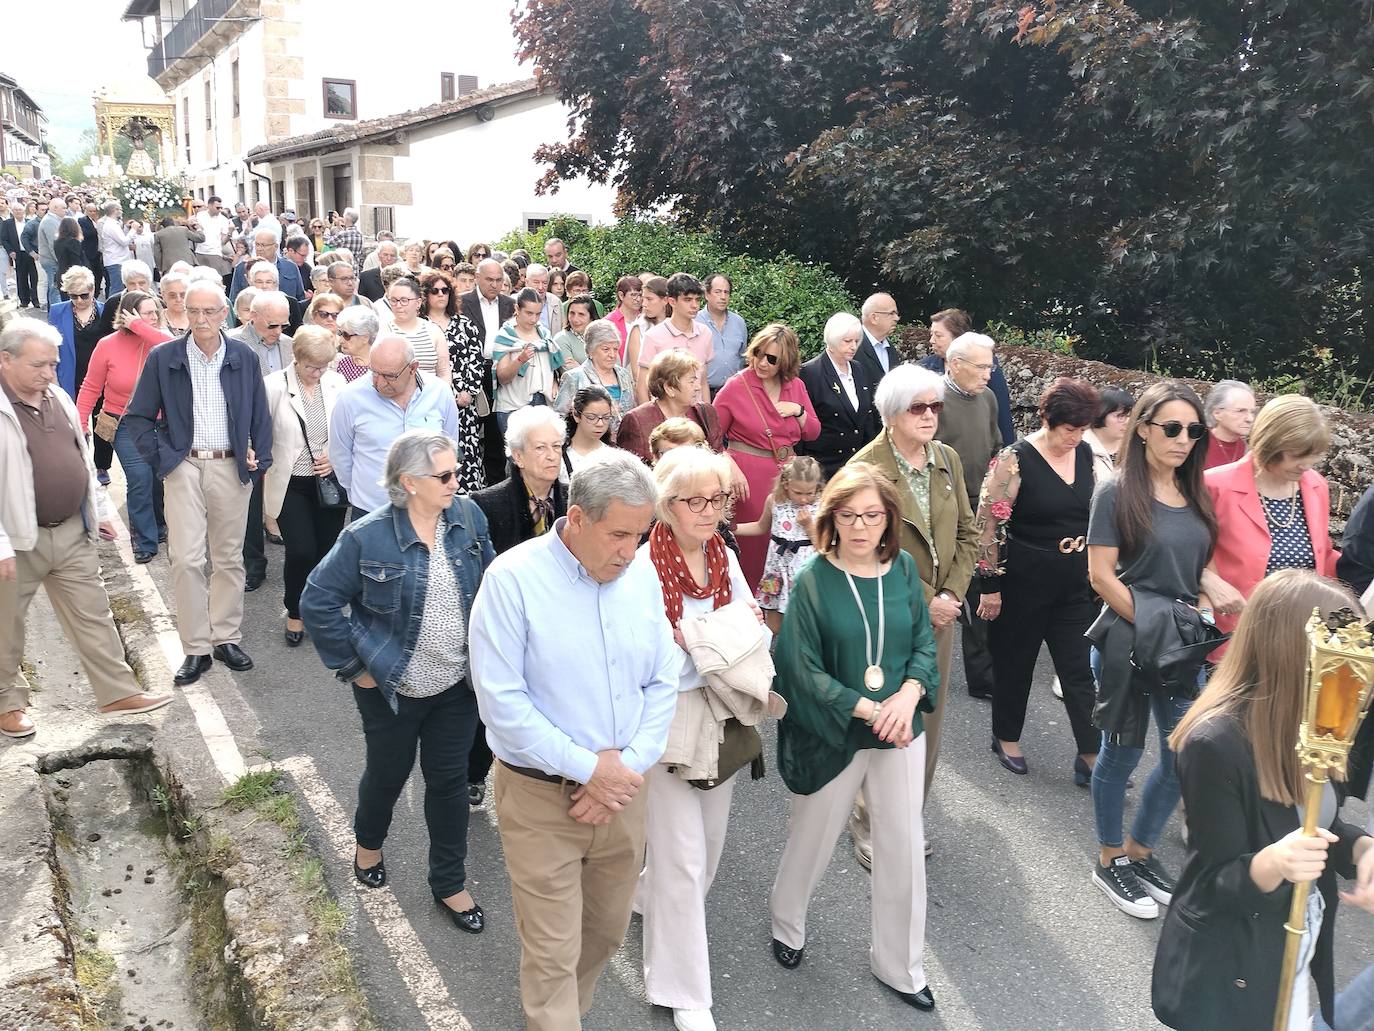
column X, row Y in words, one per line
column 788, row 957
column 924, row 1000
column 1015, row 763
column 473, row 920
column 293, row 637
column 373, row 876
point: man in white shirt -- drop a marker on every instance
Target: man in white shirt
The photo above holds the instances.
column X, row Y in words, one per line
column 217, row 227
column 267, row 220
column 115, row 246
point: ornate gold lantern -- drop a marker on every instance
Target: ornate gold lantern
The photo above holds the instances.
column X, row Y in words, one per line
column 1340, row 673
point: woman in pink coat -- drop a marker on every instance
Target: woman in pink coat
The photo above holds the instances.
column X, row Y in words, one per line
column 1272, row 508
column 764, row 411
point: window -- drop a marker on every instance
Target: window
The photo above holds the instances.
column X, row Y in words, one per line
column 305, row 198
column 446, row 86
column 340, row 98
column 234, row 79
column 209, row 106
column 467, row 84
column 383, row 219
column 278, row 195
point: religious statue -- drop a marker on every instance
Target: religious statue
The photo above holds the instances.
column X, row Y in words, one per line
column 140, row 163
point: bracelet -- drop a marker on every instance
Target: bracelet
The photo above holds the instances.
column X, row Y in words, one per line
column 913, row 680
column 877, row 711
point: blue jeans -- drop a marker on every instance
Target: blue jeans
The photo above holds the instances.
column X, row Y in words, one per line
column 1116, row 763
column 1354, row 1006
column 115, row 279
column 54, row 282
column 139, row 476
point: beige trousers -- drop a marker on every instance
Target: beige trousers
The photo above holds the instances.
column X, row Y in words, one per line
column 67, row 565
column 685, row 837
column 571, row 886
column 203, row 498
column 930, row 721
column 893, row 780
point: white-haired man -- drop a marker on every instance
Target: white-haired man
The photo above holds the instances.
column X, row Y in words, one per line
column 52, row 512
column 347, row 235
column 551, row 317
column 214, row 432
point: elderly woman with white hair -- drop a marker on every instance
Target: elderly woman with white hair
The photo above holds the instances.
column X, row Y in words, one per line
column 136, row 275
column 356, row 327
column 601, row 369
column 842, row 394
column 173, row 286
column 937, row 524
column 407, row 574
column 1229, row 409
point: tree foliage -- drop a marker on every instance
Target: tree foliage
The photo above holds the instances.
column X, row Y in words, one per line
column 1183, row 182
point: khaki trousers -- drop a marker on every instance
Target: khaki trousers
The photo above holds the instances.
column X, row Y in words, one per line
column 572, row 885
column 67, row 565
column 203, row 498
column 893, row 780
column 931, row 721
column 685, row 837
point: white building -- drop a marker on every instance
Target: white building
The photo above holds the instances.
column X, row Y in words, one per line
column 23, row 126
column 262, row 88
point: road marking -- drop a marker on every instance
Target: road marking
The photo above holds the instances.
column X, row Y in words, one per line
column 412, row 960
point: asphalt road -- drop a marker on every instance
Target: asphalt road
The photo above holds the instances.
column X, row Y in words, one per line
column 1017, row 937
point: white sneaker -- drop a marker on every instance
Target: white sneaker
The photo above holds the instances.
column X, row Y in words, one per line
column 863, row 852
column 693, row 1020
column 1056, row 688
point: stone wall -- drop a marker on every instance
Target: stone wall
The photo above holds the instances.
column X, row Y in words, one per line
column 1349, row 465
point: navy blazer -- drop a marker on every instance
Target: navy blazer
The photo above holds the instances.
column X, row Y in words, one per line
column 843, row 429
column 288, row 278
column 9, row 235
column 160, row 415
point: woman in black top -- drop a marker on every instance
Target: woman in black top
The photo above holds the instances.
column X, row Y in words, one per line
column 1033, row 522
column 67, row 248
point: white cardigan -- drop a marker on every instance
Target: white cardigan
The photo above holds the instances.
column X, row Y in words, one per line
column 288, row 440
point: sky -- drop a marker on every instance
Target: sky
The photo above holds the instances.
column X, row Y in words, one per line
column 63, row 87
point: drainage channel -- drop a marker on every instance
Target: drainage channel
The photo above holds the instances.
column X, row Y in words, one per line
column 144, row 921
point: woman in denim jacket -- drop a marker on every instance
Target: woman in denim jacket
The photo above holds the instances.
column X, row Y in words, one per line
column 408, row 573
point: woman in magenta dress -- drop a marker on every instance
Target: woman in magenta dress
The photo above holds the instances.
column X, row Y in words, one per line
column 764, row 411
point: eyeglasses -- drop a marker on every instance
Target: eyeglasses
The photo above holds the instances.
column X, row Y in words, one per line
column 699, row 503
column 893, row 313
column 391, row 377
column 444, row 477
column 203, row 313
column 977, row 365
column 313, row 368
column 919, row 408
column 447, row 266
column 1173, row 428
column 546, row 450
column 437, row 290
column 344, row 279
column 481, row 254
column 844, row 517
column 79, row 297
column 599, row 420
column 393, row 301
column 328, row 316
column 771, row 359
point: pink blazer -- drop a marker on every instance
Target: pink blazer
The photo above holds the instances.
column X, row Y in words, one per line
column 1243, row 540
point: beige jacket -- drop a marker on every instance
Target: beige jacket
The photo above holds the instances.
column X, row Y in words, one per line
column 288, row 441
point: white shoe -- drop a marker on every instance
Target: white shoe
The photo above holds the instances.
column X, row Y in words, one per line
column 1056, row 688
column 863, row 852
column 693, row 1020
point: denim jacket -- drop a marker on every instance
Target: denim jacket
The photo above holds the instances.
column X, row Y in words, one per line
column 380, row 569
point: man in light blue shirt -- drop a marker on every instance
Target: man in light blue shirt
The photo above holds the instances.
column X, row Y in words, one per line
column 376, row 409
column 728, row 331
column 575, row 670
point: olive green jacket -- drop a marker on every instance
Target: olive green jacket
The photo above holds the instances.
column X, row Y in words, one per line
column 946, row 555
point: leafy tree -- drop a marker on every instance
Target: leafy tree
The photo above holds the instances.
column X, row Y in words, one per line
column 1176, row 182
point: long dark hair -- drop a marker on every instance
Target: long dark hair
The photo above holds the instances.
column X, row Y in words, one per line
column 1135, row 492
column 584, row 397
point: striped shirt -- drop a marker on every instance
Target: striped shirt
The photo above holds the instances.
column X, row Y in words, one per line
column 316, row 432
column 209, row 416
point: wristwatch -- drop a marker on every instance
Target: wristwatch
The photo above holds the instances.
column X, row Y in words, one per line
column 877, row 711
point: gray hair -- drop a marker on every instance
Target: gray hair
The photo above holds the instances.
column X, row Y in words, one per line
column 531, row 417
column 871, row 303
column 134, row 267
column 173, row 277
column 110, row 207
column 1218, row 397
column 408, row 350
column 204, row 274
column 839, row 326
column 319, row 274
column 265, row 233
column 600, row 331
column 487, row 261
column 263, row 298
column 680, row 468
column 244, row 300
column 359, row 320
column 19, row 331
column 616, row 475
column 965, row 342
column 206, row 286
column 264, row 266
column 412, row 454
column 350, row 215
column 534, row 269
column 903, row 385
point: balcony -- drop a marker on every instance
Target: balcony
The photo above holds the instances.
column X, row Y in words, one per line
column 206, row 29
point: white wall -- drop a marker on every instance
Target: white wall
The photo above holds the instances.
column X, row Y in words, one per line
column 475, row 180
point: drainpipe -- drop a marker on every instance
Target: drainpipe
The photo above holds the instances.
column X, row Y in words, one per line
column 258, row 175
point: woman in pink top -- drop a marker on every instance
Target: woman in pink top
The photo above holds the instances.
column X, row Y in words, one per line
column 629, row 298
column 764, row 411
column 113, row 370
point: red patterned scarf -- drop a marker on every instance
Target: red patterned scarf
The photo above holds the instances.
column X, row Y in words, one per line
column 677, row 580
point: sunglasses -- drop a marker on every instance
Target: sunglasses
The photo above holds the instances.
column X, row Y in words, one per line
column 79, row 297
column 1173, row 428
column 278, row 325
column 446, row 476
column 437, row 290
column 921, row 407
column 771, row 359
column 328, row 315
column 447, row 266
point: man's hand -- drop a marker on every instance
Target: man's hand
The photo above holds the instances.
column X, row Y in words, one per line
column 586, row 809
column 8, row 570
column 944, row 610
column 252, row 460
column 990, row 606
column 1362, row 894
column 613, row 784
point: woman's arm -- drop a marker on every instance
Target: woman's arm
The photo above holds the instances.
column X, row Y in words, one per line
column 818, row 703
column 443, row 364
column 1102, row 576
column 808, row 422
column 641, row 376
column 94, row 383
column 996, row 501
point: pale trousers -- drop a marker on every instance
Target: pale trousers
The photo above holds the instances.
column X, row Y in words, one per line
column 571, row 887
column 893, row 780
column 685, row 835
column 931, row 721
column 67, row 565
column 203, row 498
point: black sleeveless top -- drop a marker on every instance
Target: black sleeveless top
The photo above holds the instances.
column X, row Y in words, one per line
column 1047, row 509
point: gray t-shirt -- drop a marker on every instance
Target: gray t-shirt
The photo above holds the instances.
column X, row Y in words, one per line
column 1174, row 554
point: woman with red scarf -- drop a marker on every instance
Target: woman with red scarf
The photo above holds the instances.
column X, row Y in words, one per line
column 686, row 825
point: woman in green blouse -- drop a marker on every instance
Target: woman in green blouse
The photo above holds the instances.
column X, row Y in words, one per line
column 856, row 662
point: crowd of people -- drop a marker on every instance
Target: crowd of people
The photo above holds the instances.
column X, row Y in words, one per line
column 467, row 464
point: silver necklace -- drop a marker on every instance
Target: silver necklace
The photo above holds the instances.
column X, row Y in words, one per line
column 873, row 675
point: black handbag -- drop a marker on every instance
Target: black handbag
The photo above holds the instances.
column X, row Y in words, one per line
column 741, row 746
column 329, row 492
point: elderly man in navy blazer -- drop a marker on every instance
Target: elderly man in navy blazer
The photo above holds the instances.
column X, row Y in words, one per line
column 266, row 247
column 199, row 416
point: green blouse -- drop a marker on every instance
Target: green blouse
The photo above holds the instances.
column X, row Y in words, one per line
column 820, row 662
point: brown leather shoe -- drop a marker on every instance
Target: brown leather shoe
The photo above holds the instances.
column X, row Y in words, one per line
column 136, row 703
column 16, row 724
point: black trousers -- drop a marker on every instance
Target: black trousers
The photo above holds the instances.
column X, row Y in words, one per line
column 1045, row 599
column 254, row 538
column 441, row 727
column 978, row 675
column 480, row 759
column 26, row 280
column 308, row 531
